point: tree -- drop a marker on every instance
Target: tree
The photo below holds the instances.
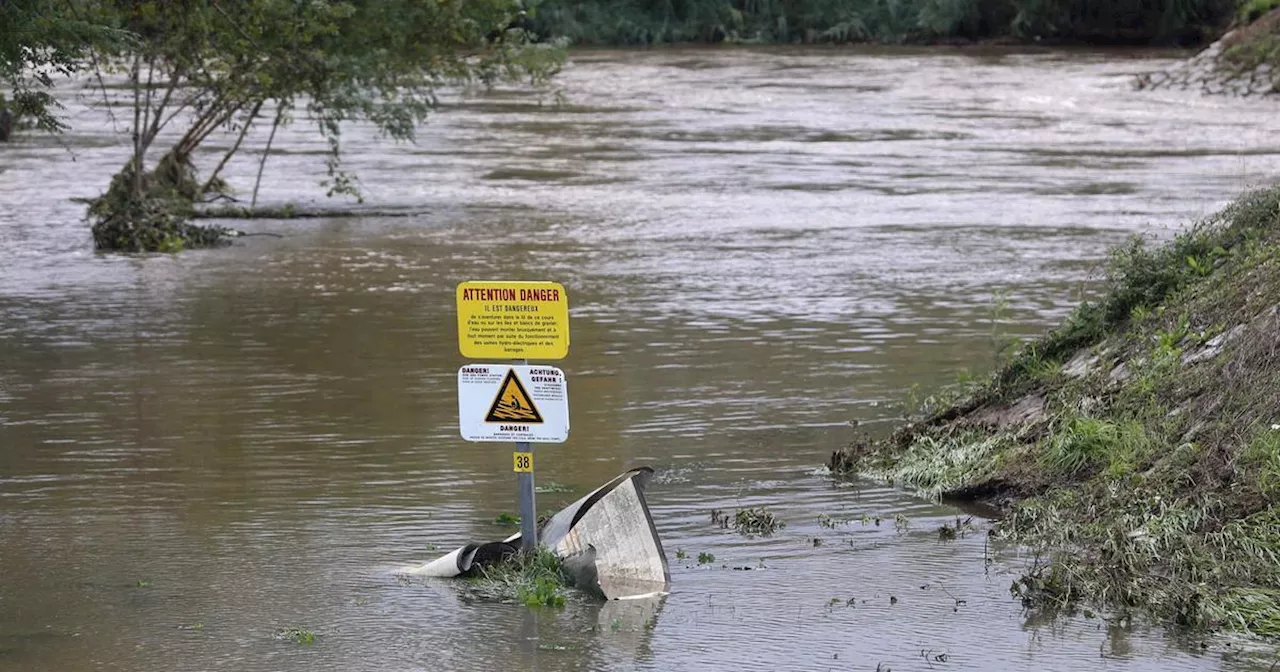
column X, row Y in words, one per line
column 204, row 66
column 40, row 40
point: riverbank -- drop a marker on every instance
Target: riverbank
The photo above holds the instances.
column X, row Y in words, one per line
column 1137, row 446
column 1245, row 62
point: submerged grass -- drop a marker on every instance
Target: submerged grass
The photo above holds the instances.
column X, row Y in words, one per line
column 534, row 580
column 1137, row 446
column 297, row 636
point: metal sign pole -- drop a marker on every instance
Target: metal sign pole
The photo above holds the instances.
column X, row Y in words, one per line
column 528, row 512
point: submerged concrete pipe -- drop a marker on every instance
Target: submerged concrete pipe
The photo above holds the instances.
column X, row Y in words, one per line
column 607, row 540
column 463, row 561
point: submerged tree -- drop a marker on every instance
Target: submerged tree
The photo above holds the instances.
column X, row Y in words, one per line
column 198, row 67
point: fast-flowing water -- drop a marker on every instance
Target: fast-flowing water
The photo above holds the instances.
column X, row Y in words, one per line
column 761, row 247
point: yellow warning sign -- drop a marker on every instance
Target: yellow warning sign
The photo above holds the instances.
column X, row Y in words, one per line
column 512, row 403
column 523, row 463
column 513, row 320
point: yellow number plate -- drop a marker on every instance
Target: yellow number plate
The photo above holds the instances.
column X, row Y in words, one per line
column 523, row 463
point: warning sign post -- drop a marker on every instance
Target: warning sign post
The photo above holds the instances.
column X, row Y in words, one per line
column 514, row 402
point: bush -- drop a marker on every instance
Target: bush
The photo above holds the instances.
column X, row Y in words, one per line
column 152, row 213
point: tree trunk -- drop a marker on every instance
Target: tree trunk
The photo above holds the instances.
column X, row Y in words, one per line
column 6, row 124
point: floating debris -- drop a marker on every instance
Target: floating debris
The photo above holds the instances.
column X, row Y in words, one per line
column 297, row 636
column 606, row 541
column 757, row 521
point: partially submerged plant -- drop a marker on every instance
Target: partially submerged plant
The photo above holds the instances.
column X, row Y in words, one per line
column 297, row 636
column 535, row 580
column 757, row 520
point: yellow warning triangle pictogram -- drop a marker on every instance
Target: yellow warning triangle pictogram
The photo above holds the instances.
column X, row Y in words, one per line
column 513, row 403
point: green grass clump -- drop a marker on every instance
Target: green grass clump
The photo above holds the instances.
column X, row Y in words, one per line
column 534, row 580
column 1261, row 459
column 544, row 592
column 932, row 465
column 1081, row 445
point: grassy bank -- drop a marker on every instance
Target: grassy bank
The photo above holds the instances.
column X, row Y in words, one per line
column 1137, row 446
column 629, row 22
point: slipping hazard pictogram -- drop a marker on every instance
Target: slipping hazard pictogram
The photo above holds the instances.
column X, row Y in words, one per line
column 512, row 403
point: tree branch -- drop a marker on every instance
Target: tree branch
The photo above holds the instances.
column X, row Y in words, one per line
column 146, row 111
column 156, row 124
column 137, row 115
column 266, row 152
column 204, row 118
column 211, row 127
column 248, row 123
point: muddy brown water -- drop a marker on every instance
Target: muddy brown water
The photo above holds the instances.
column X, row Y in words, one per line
column 761, row 247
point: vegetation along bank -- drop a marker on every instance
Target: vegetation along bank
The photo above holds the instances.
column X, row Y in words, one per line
column 1112, row 22
column 1136, row 446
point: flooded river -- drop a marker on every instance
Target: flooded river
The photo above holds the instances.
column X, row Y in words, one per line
column 761, row 248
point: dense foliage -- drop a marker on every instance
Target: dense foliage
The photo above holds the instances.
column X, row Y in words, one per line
column 40, row 40
column 886, row 21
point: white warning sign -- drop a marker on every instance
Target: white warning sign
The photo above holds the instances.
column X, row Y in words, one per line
column 502, row 402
